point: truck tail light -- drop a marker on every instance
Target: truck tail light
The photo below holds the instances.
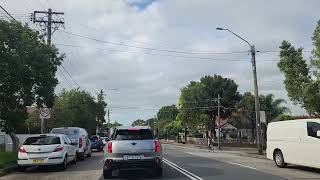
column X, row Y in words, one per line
column 80, row 142
column 109, row 147
column 157, row 146
column 21, row 149
column 58, row 148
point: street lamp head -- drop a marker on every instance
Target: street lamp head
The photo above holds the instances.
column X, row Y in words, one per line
column 219, row 28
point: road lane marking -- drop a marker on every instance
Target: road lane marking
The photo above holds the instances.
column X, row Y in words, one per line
column 183, row 171
column 241, row 165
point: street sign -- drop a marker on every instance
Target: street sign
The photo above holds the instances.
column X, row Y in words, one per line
column 263, row 117
column 45, row 113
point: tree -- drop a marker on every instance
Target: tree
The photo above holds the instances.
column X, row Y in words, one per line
column 165, row 116
column 302, row 82
column 27, row 73
column 101, row 108
column 139, row 122
column 200, row 98
column 245, row 116
column 75, row 108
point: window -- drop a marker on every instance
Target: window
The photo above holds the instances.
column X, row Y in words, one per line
column 136, row 134
column 42, row 140
column 313, row 127
column 65, row 139
column 71, row 133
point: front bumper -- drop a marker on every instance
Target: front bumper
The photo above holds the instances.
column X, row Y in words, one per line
column 122, row 164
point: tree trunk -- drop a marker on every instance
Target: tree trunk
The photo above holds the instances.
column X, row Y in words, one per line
column 15, row 141
column 212, row 125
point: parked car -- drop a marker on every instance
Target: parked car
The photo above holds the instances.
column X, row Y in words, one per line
column 96, row 143
column 133, row 148
column 78, row 135
column 47, row 149
column 295, row 142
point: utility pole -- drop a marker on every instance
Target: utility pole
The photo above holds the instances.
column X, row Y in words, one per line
column 256, row 99
column 219, row 124
column 48, row 21
column 108, row 116
column 256, row 94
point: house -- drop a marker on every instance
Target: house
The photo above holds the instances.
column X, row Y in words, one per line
column 228, row 131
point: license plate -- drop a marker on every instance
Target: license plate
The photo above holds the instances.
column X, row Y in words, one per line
column 133, row 157
column 37, row 161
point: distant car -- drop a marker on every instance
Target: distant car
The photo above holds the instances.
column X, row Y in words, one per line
column 132, row 148
column 78, row 135
column 96, row 143
column 47, row 149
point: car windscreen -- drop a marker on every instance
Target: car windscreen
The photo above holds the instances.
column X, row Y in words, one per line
column 134, row 134
column 42, row 140
column 71, row 133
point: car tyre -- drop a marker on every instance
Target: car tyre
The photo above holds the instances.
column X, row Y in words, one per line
column 89, row 154
column 158, row 172
column 278, row 159
column 21, row 168
column 83, row 156
column 107, row 174
column 64, row 164
column 75, row 159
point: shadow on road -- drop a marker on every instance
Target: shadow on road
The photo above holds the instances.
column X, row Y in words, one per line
column 303, row 168
column 140, row 174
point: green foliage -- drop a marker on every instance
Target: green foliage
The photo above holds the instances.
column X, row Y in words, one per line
column 283, row 117
column 8, row 158
column 112, row 125
column 198, row 98
column 75, row 108
column 34, row 123
column 302, row 82
column 139, row 122
column 27, row 72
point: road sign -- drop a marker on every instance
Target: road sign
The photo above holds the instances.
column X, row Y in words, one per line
column 45, row 113
column 263, row 117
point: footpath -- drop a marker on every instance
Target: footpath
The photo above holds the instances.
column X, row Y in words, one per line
column 241, row 151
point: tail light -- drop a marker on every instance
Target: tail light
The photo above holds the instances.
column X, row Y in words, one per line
column 80, row 142
column 22, row 149
column 109, row 147
column 157, row 146
column 58, row 148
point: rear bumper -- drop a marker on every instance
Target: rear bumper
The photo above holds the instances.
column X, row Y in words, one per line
column 122, row 164
column 46, row 161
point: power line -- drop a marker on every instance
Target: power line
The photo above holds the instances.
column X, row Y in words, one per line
column 70, row 75
column 8, row 13
column 155, row 54
column 145, row 48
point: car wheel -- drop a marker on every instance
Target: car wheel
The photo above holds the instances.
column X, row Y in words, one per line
column 107, row 174
column 21, row 168
column 278, row 159
column 89, row 154
column 158, row 172
column 63, row 165
column 75, row 159
column 82, row 156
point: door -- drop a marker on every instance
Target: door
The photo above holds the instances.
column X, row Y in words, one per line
column 67, row 145
column 311, row 145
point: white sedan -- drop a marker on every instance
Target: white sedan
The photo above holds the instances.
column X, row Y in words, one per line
column 47, row 149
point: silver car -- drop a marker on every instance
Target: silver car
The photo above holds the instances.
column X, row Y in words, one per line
column 132, row 148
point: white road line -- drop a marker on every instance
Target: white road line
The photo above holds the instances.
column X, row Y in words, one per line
column 183, row 171
column 241, row 165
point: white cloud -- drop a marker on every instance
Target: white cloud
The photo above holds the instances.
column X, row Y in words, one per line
column 150, row 81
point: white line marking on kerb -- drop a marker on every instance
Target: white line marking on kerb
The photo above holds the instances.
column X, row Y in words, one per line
column 183, row 171
column 241, row 165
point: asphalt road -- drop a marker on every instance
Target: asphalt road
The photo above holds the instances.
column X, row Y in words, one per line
column 178, row 166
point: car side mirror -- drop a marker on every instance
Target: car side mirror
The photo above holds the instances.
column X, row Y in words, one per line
column 318, row 133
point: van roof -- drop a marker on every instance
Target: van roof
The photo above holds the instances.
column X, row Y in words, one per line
column 296, row 120
column 133, row 127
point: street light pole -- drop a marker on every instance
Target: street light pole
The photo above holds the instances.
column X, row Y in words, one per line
column 256, row 94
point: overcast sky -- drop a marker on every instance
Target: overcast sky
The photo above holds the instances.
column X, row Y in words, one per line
column 135, row 35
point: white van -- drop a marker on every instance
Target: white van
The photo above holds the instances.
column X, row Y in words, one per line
column 79, row 136
column 295, row 142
